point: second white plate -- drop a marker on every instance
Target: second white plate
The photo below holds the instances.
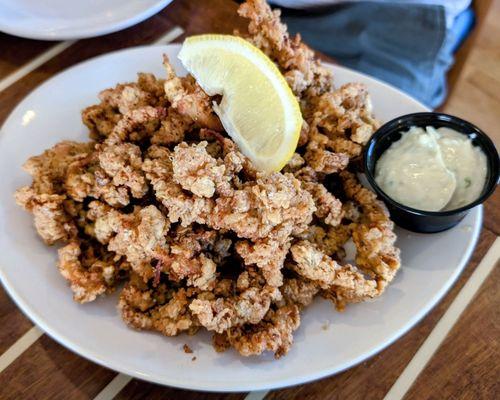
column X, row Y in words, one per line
column 64, row 20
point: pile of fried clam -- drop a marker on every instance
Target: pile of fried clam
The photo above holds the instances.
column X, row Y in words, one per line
column 161, row 200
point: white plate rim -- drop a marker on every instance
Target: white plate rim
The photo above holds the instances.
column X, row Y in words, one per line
column 275, row 384
column 87, row 32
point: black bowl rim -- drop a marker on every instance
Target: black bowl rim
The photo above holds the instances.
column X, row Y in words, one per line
column 389, row 127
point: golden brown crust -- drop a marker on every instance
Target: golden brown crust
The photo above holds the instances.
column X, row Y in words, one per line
column 163, row 199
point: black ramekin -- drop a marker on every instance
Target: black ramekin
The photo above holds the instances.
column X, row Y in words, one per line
column 428, row 221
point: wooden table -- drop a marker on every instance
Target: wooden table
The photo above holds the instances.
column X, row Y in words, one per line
column 435, row 360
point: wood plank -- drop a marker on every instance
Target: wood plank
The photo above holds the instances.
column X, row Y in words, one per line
column 207, row 16
column 139, row 390
column 47, row 371
column 373, row 378
column 475, row 95
column 492, row 213
column 141, row 34
column 467, row 366
column 17, row 51
column 13, row 322
column 481, row 8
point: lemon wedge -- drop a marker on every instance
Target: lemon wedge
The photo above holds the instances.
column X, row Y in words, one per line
column 258, row 109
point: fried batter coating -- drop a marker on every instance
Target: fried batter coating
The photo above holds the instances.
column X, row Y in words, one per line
column 322, row 160
column 124, row 98
column 85, row 178
column 48, row 169
column 344, row 283
column 347, row 109
column 110, row 173
column 193, row 254
column 273, row 333
column 189, row 99
column 274, row 206
column 198, row 172
column 123, row 163
column 298, row 292
column 161, row 309
column 52, row 222
column 374, row 235
column 181, row 206
column 172, row 130
column 140, row 236
column 268, row 255
column 137, row 125
column 328, row 208
column 90, row 270
column 250, row 305
column 296, row 61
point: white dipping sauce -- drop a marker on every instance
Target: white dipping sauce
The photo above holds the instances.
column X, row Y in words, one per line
column 432, row 169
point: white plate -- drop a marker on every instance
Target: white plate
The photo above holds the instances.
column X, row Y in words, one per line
column 66, row 19
column 431, row 263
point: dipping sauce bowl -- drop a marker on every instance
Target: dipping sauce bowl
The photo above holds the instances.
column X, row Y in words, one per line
column 419, row 220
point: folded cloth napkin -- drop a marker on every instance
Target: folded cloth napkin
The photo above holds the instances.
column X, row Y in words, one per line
column 407, row 46
column 452, row 8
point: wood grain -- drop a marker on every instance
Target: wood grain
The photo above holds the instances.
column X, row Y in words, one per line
column 476, row 93
column 140, row 34
column 467, row 366
column 49, row 371
column 139, row 390
column 481, row 8
column 13, row 323
column 15, row 51
column 492, row 213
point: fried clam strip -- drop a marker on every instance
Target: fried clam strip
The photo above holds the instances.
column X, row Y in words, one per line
column 137, row 125
column 45, row 197
column 322, row 160
column 139, row 236
column 193, row 255
column 249, row 304
column 295, row 60
column 52, row 222
column 189, row 99
column 161, row 308
column 266, row 211
column 182, row 207
column 267, row 254
column 90, row 269
column 345, row 117
column 200, row 173
column 328, row 207
column 113, row 173
column 123, row 99
column 273, row 206
column 298, row 291
column 341, row 283
column 273, row 333
column 225, row 148
column 373, row 235
column 49, row 169
column 332, row 239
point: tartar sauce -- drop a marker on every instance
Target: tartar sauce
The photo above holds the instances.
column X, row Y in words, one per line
column 432, row 169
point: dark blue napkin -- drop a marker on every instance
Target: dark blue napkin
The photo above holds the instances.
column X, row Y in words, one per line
column 406, row 45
